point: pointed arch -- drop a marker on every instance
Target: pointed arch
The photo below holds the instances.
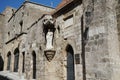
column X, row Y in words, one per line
column 8, row 60
column 34, row 64
column 1, row 63
column 70, row 63
column 16, row 59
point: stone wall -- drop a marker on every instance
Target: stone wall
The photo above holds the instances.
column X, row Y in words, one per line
column 1, row 32
column 91, row 38
column 101, row 49
column 22, row 32
column 1, row 42
column 118, row 18
column 70, row 35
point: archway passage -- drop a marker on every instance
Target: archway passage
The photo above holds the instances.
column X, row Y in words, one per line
column 1, row 63
column 34, row 64
column 8, row 60
column 70, row 63
column 16, row 59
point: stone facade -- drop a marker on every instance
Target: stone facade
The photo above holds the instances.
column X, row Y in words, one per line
column 1, row 43
column 83, row 40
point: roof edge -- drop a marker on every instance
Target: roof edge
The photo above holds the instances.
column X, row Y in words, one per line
column 56, row 10
column 2, row 14
column 25, row 3
column 39, row 4
column 66, row 5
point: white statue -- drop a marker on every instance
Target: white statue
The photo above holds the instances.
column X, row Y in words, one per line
column 49, row 38
column 48, row 23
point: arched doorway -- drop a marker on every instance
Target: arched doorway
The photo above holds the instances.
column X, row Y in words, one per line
column 8, row 60
column 34, row 64
column 70, row 63
column 1, row 63
column 16, row 59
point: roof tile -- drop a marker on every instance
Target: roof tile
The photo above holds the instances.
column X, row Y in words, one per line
column 63, row 3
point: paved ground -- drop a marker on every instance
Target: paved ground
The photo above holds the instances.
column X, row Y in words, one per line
column 4, row 78
column 6, row 75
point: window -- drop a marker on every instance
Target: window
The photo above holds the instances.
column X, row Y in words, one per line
column 21, row 25
column 9, row 60
column 16, row 59
column 68, row 21
column 34, row 64
column 58, row 28
column 88, row 14
column 8, row 33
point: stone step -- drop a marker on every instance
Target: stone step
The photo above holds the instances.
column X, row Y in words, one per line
column 11, row 75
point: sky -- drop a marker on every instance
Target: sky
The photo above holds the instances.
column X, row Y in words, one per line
column 16, row 3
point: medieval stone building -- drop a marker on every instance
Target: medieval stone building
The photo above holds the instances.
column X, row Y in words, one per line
column 78, row 40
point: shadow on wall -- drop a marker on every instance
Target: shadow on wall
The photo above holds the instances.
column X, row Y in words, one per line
column 1, row 64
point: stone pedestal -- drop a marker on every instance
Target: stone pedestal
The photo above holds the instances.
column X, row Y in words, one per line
column 49, row 54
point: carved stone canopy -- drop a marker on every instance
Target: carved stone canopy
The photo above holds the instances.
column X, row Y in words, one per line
column 48, row 24
column 48, row 21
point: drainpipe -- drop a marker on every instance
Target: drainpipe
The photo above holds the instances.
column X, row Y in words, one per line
column 83, row 49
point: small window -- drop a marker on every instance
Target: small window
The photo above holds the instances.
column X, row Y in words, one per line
column 8, row 33
column 58, row 28
column 88, row 14
column 21, row 25
column 22, row 14
column 86, row 33
column 68, row 21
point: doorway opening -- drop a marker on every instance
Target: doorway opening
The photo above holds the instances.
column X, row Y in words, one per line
column 8, row 60
column 70, row 63
column 16, row 59
column 34, row 64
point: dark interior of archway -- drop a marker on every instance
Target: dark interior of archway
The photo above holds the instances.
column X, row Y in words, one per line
column 34, row 64
column 9, row 60
column 70, row 63
column 1, row 63
column 16, row 59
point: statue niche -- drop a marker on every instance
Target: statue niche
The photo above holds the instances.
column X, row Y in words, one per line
column 49, row 29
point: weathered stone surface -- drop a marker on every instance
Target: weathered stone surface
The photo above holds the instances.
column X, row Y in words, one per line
column 89, row 29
